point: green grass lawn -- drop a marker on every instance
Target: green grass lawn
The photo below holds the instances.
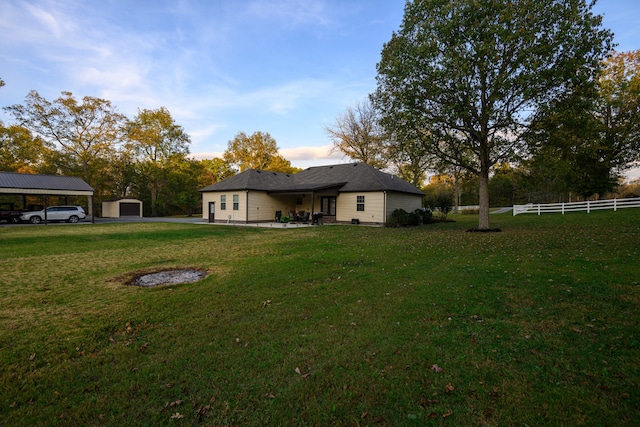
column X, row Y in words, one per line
column 334, row 325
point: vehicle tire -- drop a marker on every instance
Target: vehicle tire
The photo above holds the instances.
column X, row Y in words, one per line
column 14, row 220
column 73, row 219
column 35, row 219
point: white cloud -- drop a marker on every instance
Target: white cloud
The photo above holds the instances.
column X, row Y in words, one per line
column 310, row 153
column 205, row 155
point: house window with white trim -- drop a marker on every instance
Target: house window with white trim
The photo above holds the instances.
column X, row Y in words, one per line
column 360, row 203
column 223, row 203
column 236, row 202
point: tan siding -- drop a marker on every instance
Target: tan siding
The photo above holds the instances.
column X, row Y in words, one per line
column 110, row 210
column 206, row 198
column 346, row 207
column 267, row 204
column 263, row 207
column 408, row 202
column 229, row 213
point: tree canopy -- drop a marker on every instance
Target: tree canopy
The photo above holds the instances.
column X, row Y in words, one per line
column 582, row 142
column 86, row 132
column 464, row 76
column 357, row 133
column 157, row 142
column 256, row 151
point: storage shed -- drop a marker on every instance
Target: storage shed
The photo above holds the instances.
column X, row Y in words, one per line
column 122, row 207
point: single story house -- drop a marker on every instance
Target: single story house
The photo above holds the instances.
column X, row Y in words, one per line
column 345, row 193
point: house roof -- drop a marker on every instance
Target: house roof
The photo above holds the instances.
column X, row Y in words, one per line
column 351, row 177
column 42, row 184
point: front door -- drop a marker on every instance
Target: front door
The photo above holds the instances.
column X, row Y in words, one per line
column 328, row 205
column 212, row 211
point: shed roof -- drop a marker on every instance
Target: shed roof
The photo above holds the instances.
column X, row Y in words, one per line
column 11, row 182
column 348, row 177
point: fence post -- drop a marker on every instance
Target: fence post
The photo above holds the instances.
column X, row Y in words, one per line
column 538, row 208
column 588, row 207
column 615, row 205
column 562, row 208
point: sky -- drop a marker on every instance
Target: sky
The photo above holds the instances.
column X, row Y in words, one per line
column 286, row 67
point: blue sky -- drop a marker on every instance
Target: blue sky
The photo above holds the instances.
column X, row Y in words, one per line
column 287, row 67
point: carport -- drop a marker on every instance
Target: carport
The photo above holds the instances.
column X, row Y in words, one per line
column 24, row 185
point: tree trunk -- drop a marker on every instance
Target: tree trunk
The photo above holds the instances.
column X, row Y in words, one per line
column 483, row 219
column 154, row 198
column 456, row 186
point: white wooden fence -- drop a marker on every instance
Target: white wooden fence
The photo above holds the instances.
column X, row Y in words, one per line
column 588, row 206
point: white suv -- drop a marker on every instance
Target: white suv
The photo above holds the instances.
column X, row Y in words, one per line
column 55, row 213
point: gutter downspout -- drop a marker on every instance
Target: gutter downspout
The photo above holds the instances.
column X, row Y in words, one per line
column 313, row 203
column 384, row 208
column 246, row 207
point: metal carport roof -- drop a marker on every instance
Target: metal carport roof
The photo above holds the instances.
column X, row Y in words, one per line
column 20, row 183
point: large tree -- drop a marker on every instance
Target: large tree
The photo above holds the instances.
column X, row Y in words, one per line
column 85, row 133
column 214, row 170
column 21, row 152
column 464, row 76
column 155, row 139
column 357, row 134
column 618, row 107
column 582, row 142
column 256, row 151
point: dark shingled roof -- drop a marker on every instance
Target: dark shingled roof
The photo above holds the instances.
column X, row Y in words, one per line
column 349, row 177
column 42, row 182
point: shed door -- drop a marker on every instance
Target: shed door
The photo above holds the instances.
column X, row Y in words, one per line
column 129, row 209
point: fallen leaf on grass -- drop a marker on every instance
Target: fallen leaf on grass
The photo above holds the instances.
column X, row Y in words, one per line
column 300, row 373
column 203, row 411
column 177, row 416
column 447, row 414
column 436, row 368
column 449, row 388
column 425, row 402
column 172, row 404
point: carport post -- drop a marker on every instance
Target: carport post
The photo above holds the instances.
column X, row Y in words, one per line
column 90, row 207
column 45, row 209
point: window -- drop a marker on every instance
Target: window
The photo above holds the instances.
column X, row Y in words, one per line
column 298, row 200
column 360, row 203
column 223, row 203
column 236, row 202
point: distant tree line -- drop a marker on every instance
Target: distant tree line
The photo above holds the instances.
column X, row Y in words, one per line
column 145, row 157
